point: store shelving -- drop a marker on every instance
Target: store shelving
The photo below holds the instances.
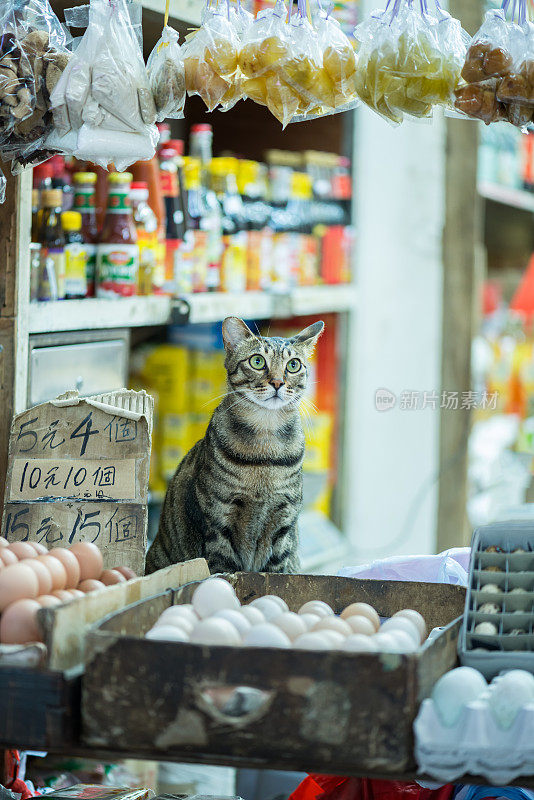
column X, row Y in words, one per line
column 134, row 312
column 515, row 198
column 91, row 314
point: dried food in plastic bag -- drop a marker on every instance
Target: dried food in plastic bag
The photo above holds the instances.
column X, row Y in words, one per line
column 166, row 74
column 211, row 57
column 339, row 58
column 34, row 43
column 103, row 103
column 489, row 53
column 479, row 101
column 266, row 46
column 517, row 86
column 409, row 60
column 303, row 70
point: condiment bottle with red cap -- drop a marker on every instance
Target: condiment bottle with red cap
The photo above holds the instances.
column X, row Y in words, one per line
column 171, row 155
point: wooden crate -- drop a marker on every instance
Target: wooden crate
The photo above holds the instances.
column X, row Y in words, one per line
column 318, row 711
column 39, row 708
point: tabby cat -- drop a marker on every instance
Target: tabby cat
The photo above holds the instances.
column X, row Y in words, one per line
column 236, row 496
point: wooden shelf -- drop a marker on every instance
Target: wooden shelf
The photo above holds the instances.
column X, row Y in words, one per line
column 215, row 306
column 515, row 198
column 92, row 313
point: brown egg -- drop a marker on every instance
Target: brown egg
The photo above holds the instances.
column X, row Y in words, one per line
column 111, row 576
column 126, row 571
column 70, row 562
column 39, row 548
column 17, row 582
column 3, row 542
column 48, row 600
column 22, row 550
column 57, row 571
column 44, row 577
column 90, row 585
column 89, row 558
column 8, row 557
column 363, row 610
column 63, row 595
column 18, row 624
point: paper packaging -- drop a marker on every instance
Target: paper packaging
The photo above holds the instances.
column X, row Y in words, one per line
column 78, row 471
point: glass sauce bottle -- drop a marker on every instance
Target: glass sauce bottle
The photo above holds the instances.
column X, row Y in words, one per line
column 52, row 240
column 118, row 251
column 84, row 202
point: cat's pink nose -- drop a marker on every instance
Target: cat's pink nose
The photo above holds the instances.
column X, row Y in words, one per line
column 277, row 384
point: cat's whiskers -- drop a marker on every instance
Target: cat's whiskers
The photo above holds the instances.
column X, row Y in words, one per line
column 220, row 397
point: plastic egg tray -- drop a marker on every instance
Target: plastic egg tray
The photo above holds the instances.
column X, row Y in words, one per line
column 475, row 745
column 497, row 561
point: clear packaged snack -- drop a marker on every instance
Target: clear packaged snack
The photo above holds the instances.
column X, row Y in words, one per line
column 499, row 70
column 409, row 60
column 103, row 106
column 166, row 75
column 211, row 56
column 33, row 55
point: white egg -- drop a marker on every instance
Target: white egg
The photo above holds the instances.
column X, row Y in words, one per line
column 266, row 635
column 167, row 633
column 386, row 642
column 282, row 603
column 402, row 624
column 333, row 624
column 312, row 641
column 316, row 607
column 508, row 694
column 415, row 617
column 292, row 624
column 309, row 619
column 360, row 625
column 183, row 612
column 454, row 690
column 215, row 631
column 491, row 588
column 212, row 595
column 176, row 622
column 404, row 641
column 359, row 643
column 362, row 610
column 252, row 615
column 486, row 629
column 334, row 638
column 268, row 607
column 240, row 623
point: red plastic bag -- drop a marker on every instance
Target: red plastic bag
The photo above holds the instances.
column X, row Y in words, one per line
column 335, row 787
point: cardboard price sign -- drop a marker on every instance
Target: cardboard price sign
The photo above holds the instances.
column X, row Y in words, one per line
column 78, row 471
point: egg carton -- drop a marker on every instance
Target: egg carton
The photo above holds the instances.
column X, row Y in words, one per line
column 475, row 745
column 498, row 626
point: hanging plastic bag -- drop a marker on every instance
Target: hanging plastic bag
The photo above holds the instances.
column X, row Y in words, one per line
column 211, row 57
column 409, row 60
column 34, row 54
column 497, row 71
column 3, row 184
column 103, row 106
column 166, row 75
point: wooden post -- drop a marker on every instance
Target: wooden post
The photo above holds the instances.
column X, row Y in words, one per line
column 460, row 297
column 14, row 279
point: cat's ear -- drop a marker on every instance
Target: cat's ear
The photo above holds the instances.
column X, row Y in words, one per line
column 235, row 331
column 309, row 336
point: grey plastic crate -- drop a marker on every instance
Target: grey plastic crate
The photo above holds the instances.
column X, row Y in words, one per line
column 497, row 561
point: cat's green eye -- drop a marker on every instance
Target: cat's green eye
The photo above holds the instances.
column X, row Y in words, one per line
column 257, row 362
column 293, row 365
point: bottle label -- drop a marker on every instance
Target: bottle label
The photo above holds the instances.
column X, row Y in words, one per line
column 75, row 270
column 281, row 262
column 52, row 284
column 119, row 202
column 191, row 263
column 168, row 182
column 148, row 254
column 234, row 263
column 84, row 200
column 90, row 268
column 117, row 270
